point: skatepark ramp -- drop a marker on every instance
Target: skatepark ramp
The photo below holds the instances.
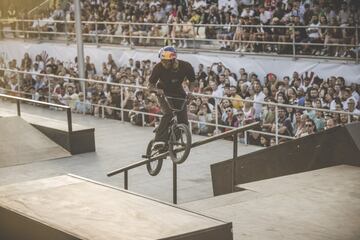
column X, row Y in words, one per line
column 335, row 146
column 321, row 204
column 74, row 138
column 69, row 207
column 21, row 143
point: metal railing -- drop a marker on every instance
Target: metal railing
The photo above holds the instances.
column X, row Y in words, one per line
column 95, row 35
column 20, row 99
column 215, row 124
column 233, row 133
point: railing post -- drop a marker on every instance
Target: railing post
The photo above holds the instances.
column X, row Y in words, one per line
column 194, row 38
column 16, row 28
column 121, row 103
column 245, row 137
column 39, row 34
column 130, row 36
column 69, row 119
column 18, row 108
column 126, row 180
column 276, row 124
column 357, row 45
column 235, row 153
column 293, row 42
column 23, row 28
column 349, row 118
column 49, row 86
column 102, row 112
column 174, row 183
column 66, row 32
column 19, row 83
column 96, row 34
column 216, row 116
column 235, row 144
column 143, row 119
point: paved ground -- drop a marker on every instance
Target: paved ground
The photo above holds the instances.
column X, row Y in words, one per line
column 117, row 145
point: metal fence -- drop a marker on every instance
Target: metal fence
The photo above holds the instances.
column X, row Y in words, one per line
column 215, row 123
column 150, row 34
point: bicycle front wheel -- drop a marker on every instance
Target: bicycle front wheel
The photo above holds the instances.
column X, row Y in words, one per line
column 153, row 167
column 180, row 143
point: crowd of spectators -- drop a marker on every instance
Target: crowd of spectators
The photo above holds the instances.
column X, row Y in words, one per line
column 213, row 82
column 229, row 18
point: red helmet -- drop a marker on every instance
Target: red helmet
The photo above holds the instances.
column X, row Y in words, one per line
column 167, row 53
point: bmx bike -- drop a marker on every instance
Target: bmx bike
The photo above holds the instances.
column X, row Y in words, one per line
column 179, row 143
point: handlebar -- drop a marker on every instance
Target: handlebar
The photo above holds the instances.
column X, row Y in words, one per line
column 172, row 100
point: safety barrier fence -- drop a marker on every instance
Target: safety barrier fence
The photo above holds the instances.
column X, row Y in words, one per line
column 156, row 34
column 123, row 87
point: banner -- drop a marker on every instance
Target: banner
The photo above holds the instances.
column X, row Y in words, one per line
column 261, row 65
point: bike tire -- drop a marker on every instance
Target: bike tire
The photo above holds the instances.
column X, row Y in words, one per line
column 154, row 167
column 185, row 153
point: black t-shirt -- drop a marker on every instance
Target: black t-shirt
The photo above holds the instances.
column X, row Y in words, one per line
column 171, row 80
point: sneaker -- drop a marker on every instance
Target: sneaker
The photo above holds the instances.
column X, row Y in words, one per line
column 159, row 145
column 238, row 49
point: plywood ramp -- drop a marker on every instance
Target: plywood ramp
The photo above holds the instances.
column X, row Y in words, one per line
column 21, row 143
column 316, row 205
column 80, row 209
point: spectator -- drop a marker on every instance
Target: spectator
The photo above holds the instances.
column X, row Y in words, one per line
column 284, row 123
column 136, row 118
column 310, row 128
column 11, row 14
column 264, row 141
column 249, row 112
column 258, row 97
column 332, row 93
column 82, row 105
column 330, row 123
column 269, row 117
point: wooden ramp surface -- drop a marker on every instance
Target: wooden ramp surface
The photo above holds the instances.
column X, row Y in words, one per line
column 21, row 143
column 88, row 210
column 322, row 204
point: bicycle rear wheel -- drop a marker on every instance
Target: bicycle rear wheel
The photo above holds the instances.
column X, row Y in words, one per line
column 180, row 143
column 153, row 167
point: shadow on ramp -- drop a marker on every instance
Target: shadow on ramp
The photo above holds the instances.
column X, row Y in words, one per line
column 21, row 143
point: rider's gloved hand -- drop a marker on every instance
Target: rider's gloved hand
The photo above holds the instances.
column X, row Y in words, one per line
column 160, row 92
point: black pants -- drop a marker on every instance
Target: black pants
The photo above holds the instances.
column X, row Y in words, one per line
column 162, row 133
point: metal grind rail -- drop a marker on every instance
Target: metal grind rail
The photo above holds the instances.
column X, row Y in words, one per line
column 234, row 133
column 20, row 99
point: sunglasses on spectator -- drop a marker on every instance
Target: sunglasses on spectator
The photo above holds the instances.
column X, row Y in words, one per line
column 308, row 125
